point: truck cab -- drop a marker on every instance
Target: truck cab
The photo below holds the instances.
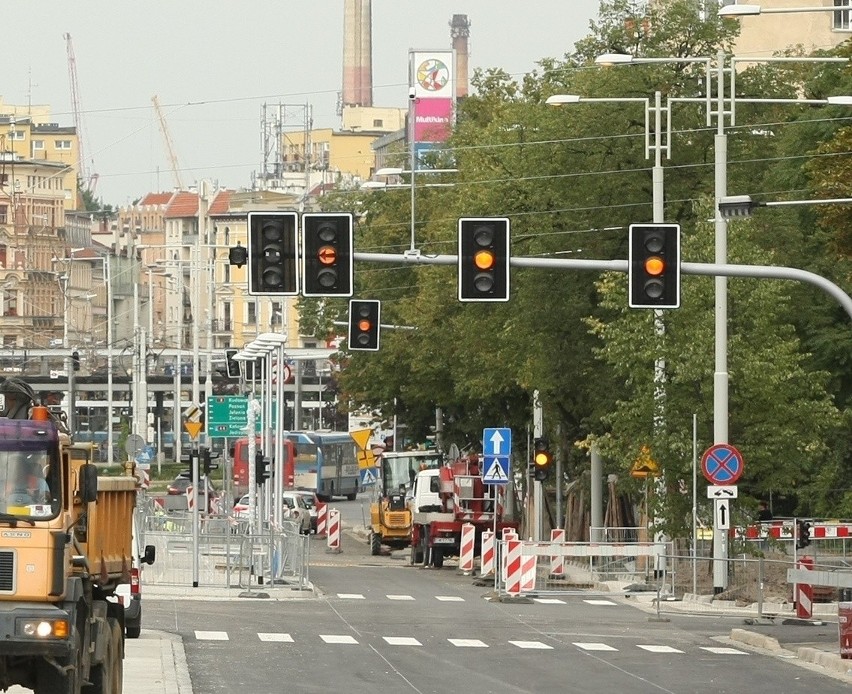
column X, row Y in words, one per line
column 425, row 494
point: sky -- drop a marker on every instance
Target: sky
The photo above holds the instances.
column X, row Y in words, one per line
column 213, row 64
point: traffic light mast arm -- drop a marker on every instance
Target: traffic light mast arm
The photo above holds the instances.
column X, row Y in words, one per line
column 706, row 269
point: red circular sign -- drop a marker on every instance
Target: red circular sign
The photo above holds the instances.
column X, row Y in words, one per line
column 722, row 464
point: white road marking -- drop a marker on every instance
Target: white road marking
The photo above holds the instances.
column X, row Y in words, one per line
column 659, row 649
column 337, row 638
column 402, row 641
column 400, row 597
column 532, row 644
column 449, row 598
column 350, row 596
column 281, row 638
column 599, row 602
column 211, row 635
column 550, row 601
column 595, row 647
column 721, row 650
column 468, row 643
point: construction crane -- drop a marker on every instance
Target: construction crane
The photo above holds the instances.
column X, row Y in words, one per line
column 169, row 146
column 89, row 180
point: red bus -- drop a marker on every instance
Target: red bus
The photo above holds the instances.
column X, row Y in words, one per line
column 239, row 454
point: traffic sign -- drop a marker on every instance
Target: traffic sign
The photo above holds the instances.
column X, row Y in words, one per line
column 193, row 413
column 726, row 491
column 496, row 469
column 722, row 464
column 722, row 515
column 368, row 476
column 366, row 459
column 193, row 429
column 227, row 416
column 497, row 442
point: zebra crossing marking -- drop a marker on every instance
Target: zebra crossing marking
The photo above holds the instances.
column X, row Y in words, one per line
column 400, row 597
column 599, row 602
column 594, row 646
column 211, row 635
column 402, row 641
column 549, row 601
column 338, row 638
column 350, row 596
column 468, row 643
column 449, row 598
column 532, row 644
column 280, row 638
column 722, row 650
column 658, row 649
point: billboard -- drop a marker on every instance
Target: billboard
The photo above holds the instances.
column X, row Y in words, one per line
column 432, row 79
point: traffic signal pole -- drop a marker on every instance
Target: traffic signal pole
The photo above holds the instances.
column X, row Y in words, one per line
column 705, row 269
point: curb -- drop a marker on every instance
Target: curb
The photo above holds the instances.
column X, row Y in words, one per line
column 829, row 661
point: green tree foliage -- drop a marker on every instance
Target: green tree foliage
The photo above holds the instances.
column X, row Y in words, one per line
column 571, row 180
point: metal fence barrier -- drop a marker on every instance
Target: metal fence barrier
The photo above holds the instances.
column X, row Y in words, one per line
column 228, row 556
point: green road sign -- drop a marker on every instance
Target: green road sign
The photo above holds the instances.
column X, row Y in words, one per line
column 227, row 416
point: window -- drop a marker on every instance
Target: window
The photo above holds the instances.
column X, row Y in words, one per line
column 841, row 19
column 62, row 144
column 378, row 123
column 17, row 135
column 277, row 317
column 251, row 313
column 37, row 145
column 227, row 273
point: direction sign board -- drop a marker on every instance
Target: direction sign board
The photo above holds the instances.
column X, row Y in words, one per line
column 725, row 491
column 227, row 415
column 722, row 514
column 722, row 464
column 497, row 441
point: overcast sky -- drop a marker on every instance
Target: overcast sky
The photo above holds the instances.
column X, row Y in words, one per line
column 214, row 63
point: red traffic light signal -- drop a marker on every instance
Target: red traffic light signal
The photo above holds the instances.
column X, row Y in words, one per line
column 654, row 266
column 483, row 259
column 272, row 253
column 327, row 263
column 364, row 325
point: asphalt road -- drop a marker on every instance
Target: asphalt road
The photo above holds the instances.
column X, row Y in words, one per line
column 379, row 625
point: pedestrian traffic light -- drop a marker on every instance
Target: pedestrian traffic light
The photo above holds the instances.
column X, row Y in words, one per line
column 542, row 459
column 273, row 254
column 483, row 259
column 654, row 266
column 327, row 265
column 803, row 534
column 364, row 324
column 261, row 468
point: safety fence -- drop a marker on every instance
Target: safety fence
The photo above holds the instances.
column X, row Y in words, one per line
column 224, row 553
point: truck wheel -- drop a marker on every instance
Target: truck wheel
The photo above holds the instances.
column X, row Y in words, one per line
column 437, row 557
column 416, row 555
column 375, row 544
column 107, row 678
column 134, row 629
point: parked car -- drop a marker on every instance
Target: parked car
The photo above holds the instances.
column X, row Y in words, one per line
column 179, row 485
column 310, row 500
column 131, row 595
column 294, row 509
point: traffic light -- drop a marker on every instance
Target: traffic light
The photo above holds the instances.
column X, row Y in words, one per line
column 237, row 255
column 261, row 468
column 231, row 365
column 327, row 266
column 207, row 458
column 542, row 459
column 273, row 254
column 364, row 324
column 654, row 266
column 75, row 360
column 483, row 259
column 803, row 534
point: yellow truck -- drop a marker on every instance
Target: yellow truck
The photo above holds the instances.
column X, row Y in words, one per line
column 390, row 517
column 65, row 546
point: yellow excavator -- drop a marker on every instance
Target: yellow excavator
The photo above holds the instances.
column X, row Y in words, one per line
column 390, row 517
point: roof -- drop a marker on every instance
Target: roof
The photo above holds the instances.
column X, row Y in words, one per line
column 221, row 203
column 183, row 204
column 156, row 199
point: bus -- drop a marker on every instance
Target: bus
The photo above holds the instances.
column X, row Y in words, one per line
column 322, row 462
column 326, row 463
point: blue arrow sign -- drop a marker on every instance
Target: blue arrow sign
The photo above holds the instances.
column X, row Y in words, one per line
column 497, row 442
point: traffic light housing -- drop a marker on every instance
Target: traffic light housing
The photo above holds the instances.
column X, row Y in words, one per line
column 237, row 255
column 327, row 262
column 542, row 459
column 75, row 360
column 803, row 534
column 273, row 254
column 261, row 468
column 207, row 458
column 654, row 266
column 483, row 259
column 231, row 365
column 364, row 325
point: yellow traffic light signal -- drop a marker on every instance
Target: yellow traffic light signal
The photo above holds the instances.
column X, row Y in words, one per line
column 654, row 266
column 542, row 459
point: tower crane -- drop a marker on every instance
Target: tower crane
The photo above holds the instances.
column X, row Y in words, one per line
column 169, row 146
column 89, row 180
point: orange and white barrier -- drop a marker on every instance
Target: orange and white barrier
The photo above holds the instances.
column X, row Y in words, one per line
column 508, row 534
column 486, row 563
column 520, row 569
column 557, row 563
column 468, row 540
column 190, row 498
column 805, row 592
column 333, row 530
column 322, row 519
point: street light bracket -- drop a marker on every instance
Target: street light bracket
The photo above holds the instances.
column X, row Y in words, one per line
column 561, row 99
column 738, row 10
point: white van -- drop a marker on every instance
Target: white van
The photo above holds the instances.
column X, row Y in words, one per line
column 131, row 595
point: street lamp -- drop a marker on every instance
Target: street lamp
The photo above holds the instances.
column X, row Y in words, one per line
column 739, row 206
column 746, row 10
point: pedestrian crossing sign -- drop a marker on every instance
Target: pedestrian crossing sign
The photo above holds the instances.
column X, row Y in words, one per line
column 496, row 469
column 368, row 477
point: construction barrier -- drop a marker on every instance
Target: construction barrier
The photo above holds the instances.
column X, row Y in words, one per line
column 486, row 564
column 468, row 541
column 557, row 563
column 333, row 530
column 805, row 592
column 520, row 569
column 322, row 519
column 508, row 534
